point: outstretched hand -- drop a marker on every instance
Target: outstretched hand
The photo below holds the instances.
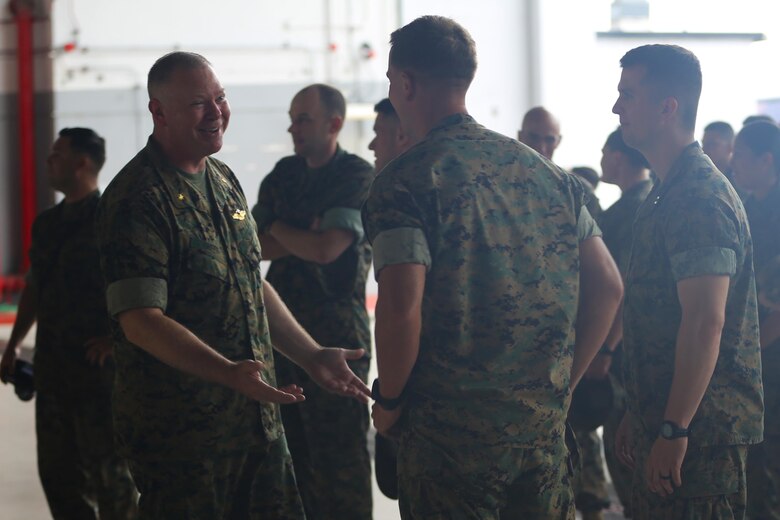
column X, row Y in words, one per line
column 245, row 377
column 328, row 368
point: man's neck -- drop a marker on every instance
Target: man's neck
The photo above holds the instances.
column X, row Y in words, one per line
column 79, row 193
column 431, row 110
column 761, row 192
column 627, row 182
column 322, row 158
column 662, row 155
column 178, row 159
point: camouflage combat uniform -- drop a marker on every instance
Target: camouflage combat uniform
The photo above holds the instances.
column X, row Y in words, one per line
column 326, row 433
column 764, row 459
column 498, row 228
column 616, row 224
column 692, row 224
column 196, row 449
column 78, row 464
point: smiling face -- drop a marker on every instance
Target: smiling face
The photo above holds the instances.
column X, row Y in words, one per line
column 192, row 114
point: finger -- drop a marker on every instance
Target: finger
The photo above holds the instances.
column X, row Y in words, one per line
column 354, row 354
column 677, row 476
column 291, row 389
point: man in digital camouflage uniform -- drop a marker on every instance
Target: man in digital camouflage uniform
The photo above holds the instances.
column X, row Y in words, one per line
column 626, row 168
column 308, row 214
column 81, row 473
column 389, row 142
column 756, row 168
column 478, row 242
column 195, row 399
column 692, row 365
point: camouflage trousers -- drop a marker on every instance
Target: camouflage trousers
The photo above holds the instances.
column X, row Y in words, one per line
column 81, row 474
column 713, row 486
column 763, row 479
column 328, row 439
column 621, row 474
column 590, row 482
column 258, row 484
column 468, row 482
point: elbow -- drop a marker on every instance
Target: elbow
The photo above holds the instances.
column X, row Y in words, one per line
column 326, row 256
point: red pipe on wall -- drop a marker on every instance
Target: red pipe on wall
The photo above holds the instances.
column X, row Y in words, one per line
column 26, row 97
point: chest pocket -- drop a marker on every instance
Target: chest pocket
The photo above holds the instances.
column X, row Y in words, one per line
column 204, row 257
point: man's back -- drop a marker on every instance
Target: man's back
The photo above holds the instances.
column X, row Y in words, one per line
column 500, row 227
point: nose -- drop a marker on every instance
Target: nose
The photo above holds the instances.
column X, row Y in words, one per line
column 616, row 108
column 214, row 111
column 372, row 144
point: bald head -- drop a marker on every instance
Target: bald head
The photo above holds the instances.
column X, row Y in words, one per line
column 541, row 131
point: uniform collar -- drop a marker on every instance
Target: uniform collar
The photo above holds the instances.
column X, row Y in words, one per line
column 451, row 120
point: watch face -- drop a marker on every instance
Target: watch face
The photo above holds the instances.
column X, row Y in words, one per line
column 667, row 431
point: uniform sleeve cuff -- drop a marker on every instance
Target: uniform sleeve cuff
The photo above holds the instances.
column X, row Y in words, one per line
column 404, row 245
column 586, row 226
column 136, row 293
column 704, row 261
column 343, row 218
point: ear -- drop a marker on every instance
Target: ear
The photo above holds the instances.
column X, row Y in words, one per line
column 336, row 124
column 669, row 106
column 409, row 85
column 766, row 160
column 156, row 108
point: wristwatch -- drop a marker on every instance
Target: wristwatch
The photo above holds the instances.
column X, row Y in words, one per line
column 671, row 430
column 387, row 404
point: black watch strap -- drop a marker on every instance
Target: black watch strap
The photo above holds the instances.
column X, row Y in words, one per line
column 387, row 404
column 671, row 430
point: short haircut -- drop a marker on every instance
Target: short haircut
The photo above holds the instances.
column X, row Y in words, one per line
column 86, row 141
column 762, row 137
column 616, row 143
column 721, row 128
column 758, row 117
column 385, row 107
column 587, row 173
column 436, row 47
column 331, row 99
column 163, row 68
column 674, row 71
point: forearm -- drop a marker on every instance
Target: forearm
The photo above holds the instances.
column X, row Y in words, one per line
column 397, row 347
column 287, row 335
column 271, row 248
column 26, row 313
column 322, row 247
column 173, row 344
column 770, row 329
column 698, row 345
column 601, row 291
column 398, row 324
column 615, row 334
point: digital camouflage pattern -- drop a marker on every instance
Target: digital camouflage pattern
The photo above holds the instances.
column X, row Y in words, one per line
column 78, row 464
column 186, row 490
column 475, row 482
column 713, row 486
column 152, row 224
column 590, row 482
column 764, row 460
column 66, row 277
column 692, row 224
column 326, row 433
column 497, row 227
column 617, row 223
column 764, row 218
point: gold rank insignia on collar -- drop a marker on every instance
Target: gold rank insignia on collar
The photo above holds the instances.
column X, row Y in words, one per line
column 239, row 214
column 181, row 196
